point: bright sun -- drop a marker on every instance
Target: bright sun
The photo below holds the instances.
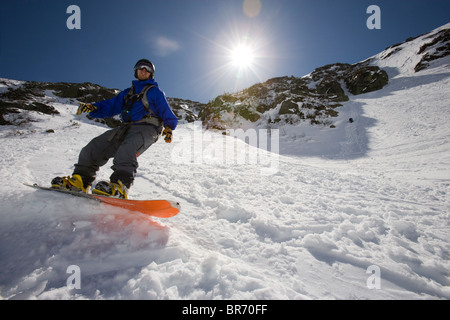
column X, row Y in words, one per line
column 242, row 56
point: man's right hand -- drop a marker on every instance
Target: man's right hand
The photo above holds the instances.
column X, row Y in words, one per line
column 85, row 108
column 168, row 134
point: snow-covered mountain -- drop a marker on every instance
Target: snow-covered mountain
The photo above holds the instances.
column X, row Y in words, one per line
column 314, row 99
column 317, row 97
column 348, row 210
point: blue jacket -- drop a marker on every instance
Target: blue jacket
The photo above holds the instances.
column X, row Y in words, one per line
column 157, row 102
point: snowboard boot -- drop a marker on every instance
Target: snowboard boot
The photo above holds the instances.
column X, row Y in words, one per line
column 74, row 183
column 111, row 189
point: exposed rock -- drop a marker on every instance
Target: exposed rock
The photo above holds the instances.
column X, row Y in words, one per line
column 437, row 48
column 288, row 107
column 289, row 100
column 185, row 110
column 366, row 79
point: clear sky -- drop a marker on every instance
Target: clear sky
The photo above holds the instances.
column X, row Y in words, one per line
column 201, row 48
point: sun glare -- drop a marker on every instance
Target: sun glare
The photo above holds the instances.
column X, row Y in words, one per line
column 242, row 56
column 238, row 57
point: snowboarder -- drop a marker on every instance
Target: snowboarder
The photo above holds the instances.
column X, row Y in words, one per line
column 145, row 112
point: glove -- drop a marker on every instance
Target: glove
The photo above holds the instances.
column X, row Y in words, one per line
column 85, row 107
column 168, row 134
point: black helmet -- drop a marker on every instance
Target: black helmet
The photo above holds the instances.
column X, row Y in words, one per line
column 144, row 63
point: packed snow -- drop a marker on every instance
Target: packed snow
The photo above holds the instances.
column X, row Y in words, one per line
column 360, row 211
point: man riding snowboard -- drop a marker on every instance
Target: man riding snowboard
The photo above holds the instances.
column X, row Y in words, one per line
column 145, row 112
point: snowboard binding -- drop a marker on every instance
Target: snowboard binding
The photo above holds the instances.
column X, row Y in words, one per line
column 74, row 183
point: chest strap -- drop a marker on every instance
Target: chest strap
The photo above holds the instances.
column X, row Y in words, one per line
column 131, row 98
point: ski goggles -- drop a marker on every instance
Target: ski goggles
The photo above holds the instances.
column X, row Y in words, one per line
column 143, row 66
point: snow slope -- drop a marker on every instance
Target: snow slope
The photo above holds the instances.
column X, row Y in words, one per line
column 309, row 223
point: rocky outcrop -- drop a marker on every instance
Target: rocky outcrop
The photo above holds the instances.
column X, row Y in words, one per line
column 18, row 98
column 289, row 100
column 185, row 110
column 366, row 79
column 438, row 47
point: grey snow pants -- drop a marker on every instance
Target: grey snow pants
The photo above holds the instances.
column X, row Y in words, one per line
column 124, row 144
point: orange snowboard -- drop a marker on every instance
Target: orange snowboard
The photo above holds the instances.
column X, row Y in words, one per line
column 154, row 208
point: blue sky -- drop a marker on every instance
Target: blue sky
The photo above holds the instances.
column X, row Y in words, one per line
column 191, row 41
